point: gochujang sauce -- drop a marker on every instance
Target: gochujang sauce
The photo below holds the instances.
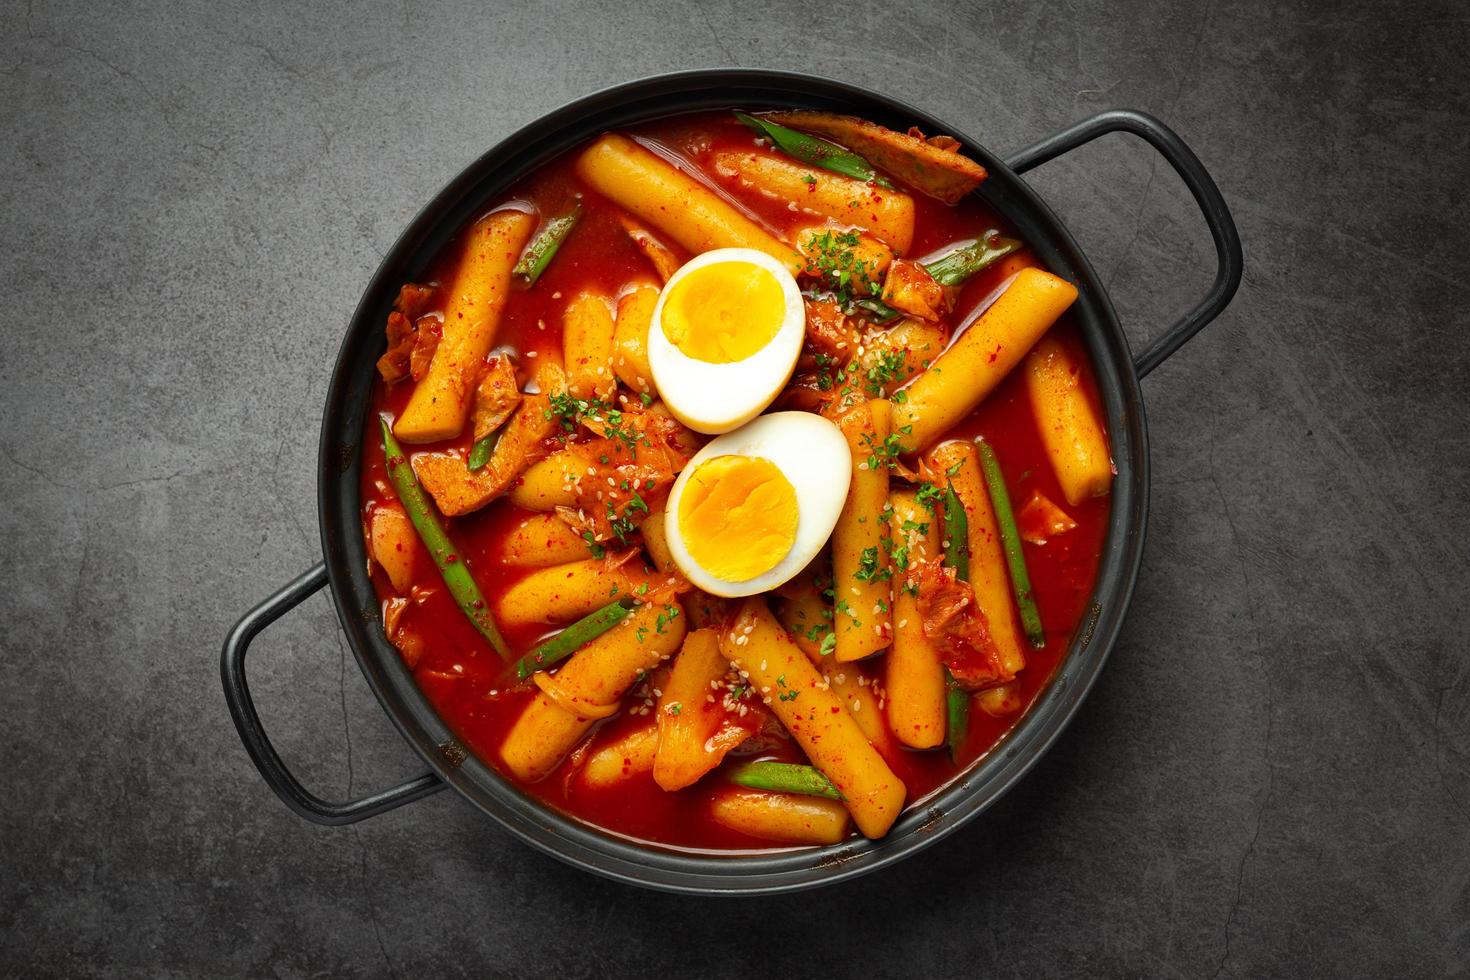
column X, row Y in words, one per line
column 473, row 688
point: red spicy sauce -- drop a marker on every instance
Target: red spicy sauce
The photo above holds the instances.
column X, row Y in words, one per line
column 470, row 686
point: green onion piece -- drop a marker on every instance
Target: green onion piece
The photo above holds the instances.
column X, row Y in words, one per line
column 956, row 535
column 817, row 152
column 480, row 454
column 964, row 262
column 881, row 311
column 425, row 521
column 957, row 715
column 568, row 641
column 784, row 777
column 543, row 247
column 956, row 556
column 1011, row 539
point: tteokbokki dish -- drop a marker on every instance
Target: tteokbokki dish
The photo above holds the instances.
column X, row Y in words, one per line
column 735, row 481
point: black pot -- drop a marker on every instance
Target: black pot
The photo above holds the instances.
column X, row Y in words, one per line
column 345, row 568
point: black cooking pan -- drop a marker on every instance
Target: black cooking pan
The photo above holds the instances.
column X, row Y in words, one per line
column 340, row 456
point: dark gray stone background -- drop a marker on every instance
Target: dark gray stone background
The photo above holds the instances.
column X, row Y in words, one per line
column 1271, row 778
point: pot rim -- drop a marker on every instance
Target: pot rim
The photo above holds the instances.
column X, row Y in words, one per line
column 578, row 843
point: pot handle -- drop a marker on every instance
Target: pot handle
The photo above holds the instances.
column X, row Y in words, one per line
column 262, row 753
column 1206, row 195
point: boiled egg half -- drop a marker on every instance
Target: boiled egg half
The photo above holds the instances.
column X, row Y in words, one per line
column 725, row 337
column 754, row 506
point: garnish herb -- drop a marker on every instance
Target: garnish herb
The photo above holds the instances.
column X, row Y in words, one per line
column 568, row 412
column 832, row 259
column 890, row 366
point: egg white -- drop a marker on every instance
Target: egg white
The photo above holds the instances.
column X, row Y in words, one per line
column 715, row 398
column 813, row 455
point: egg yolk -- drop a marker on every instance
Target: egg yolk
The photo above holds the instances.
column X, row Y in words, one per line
column 737, row 516
column 724, row 312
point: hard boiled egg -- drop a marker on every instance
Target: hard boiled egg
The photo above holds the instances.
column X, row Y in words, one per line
column 754, row 506
column 725, row 337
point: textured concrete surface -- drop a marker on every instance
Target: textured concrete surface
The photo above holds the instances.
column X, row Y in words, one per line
column 1272, row 777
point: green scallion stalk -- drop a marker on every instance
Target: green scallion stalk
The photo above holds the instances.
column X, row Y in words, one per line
column 784, row 777
column 962, row 263
column 544, row 246
column 956, row 556
column 956, row 534
column 1011, row 539
column 568, row 641
column 425, row 521
column 957, row 715
column 817, row 152
column 881, row 311
column 480, row 453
